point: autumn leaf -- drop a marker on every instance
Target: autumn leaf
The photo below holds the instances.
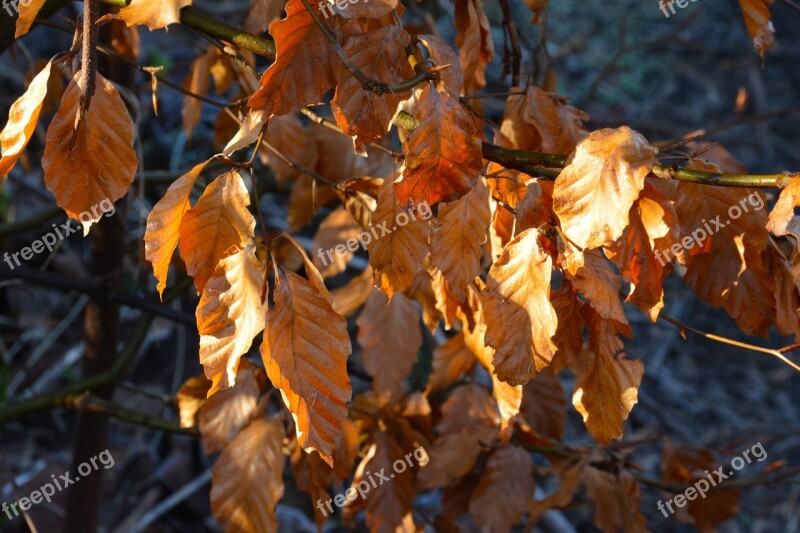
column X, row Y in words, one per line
column 541, row 122
column 217, row 222
column 224, row 414
column 730, row 247
column 27, row 15
column 305, row 352
column 380, row 55
column 443, row 55
column 155, row 14
column 520, row 320
column 164, row 221
column 247, row 479
column 615, row 500
column 451, row 457
column 592, row 275
column 262, row 14
column 443, row 153
column 757, row 21
column 783, row 212
column 569, row 333
column 450, row 360
column 595, row 191
column 372, row 9
column 338, row 231
column 683, row 466
column 390, row 339
column 101, row 165
column 474, row 42
column 607, row 382
column 350, row 297
column 470, row 411
column 304, row 67
column 22, row 119
column 395, row 257
column 458, row 235
column 543, row 410
column 388, row 505
column 190, row 398
column 504, row 491
column 198, row 82
column 638, row 252
column 230, row 314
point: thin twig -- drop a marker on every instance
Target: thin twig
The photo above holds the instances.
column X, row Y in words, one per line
column 683, row 328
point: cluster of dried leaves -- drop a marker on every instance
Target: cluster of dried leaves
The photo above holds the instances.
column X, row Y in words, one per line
column 485, row 269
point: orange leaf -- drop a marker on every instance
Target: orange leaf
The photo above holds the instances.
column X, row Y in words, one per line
column 520, row 320
column 390, row 337
column 733, row 252
column 164, row 222
column 544, row 408
column 247, row 479
column 303, row 70
column 22, row 119
column 230, row 314
column 592, row 275
column 27, row 15
column 389, row 505
column 198, row 82
column 474, row 42
column 305, row 352
column 783, row 212
column 190, row 398
column 683, row 466
column 450, row 361
column 443, row 55
column 335, row 241
column 155, row 14
column 542, row 122
column 607, row 382
column 757, row 21
column 102, row 163
column 349, row 298
column 224, row 415
column 457, row 242
column 504, row 491
column 396, row 257
column 595, row 191
column 380, row 54
column 443, row 153
column 219, row 221
column 616, row 500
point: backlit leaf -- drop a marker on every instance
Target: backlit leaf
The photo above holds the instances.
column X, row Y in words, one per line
column 155, row 14
column 390, row 337
column 164, row 222
column 520, row 320
column 304, row 68
column 305, row 352
column 247, row 479
column 217, row 222
column 22, row 119
column 230, row 314
column 595, row 191
column 102, row 163
column 443, row 153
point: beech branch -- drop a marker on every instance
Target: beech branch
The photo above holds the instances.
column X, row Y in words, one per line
column 534, row 163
